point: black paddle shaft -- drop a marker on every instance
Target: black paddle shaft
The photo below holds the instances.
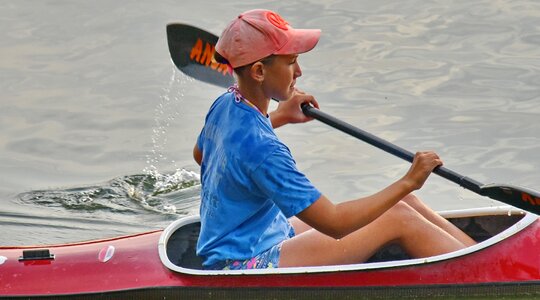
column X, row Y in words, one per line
column 369, row 138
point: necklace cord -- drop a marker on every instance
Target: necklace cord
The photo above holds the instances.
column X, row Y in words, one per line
column 238, row 97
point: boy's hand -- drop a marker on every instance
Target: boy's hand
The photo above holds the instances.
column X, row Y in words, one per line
column 290, row 110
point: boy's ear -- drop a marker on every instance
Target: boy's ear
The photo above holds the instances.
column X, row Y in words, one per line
column 257, row 71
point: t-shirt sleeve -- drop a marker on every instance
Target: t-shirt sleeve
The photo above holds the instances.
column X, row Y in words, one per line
column 201, row 137
column 279, row 179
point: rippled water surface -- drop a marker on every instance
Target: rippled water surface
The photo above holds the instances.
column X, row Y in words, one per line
column 97, row 127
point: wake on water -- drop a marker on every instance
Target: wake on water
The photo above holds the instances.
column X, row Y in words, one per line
column 154, row 197
column 174, row 193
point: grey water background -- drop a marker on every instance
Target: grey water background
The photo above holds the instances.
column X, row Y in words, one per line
column 97, row 127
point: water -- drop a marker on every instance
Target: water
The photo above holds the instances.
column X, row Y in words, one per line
column 97, row 128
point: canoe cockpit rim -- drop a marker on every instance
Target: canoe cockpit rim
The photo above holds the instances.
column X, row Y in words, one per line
column 523, row 223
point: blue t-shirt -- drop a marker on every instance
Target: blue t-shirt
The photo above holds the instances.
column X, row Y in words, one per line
column 250, row 184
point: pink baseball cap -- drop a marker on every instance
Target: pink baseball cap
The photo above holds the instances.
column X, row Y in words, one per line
column 258, row 33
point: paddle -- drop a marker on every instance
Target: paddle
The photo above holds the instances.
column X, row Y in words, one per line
column 192, row 48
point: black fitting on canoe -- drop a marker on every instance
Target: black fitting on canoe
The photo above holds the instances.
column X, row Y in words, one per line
column 36, row 254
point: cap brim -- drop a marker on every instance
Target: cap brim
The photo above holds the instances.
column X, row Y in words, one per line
column 301, row 41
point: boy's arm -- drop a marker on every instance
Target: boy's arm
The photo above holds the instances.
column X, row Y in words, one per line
column 197, row 154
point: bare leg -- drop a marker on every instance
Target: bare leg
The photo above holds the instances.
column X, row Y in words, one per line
column 436, row 219
column 298, row 225
column 402, row 224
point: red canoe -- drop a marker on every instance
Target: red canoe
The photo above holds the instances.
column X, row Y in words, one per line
column 163, row 265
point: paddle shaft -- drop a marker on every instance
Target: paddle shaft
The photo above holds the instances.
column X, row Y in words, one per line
column 384, row 145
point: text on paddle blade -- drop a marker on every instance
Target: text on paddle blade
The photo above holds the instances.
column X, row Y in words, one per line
column 203, row 53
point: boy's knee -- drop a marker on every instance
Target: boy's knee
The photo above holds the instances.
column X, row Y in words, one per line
column 402, row 210
column 405, row 216
column 411, row 199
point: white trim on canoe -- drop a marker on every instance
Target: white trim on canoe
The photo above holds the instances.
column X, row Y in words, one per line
column 482, row 211
column 528, row 219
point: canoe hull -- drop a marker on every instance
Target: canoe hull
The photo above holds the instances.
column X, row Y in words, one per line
column 486, row 291
column 132, row 266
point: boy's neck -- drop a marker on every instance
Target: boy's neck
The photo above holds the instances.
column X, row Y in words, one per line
column 255, row 95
